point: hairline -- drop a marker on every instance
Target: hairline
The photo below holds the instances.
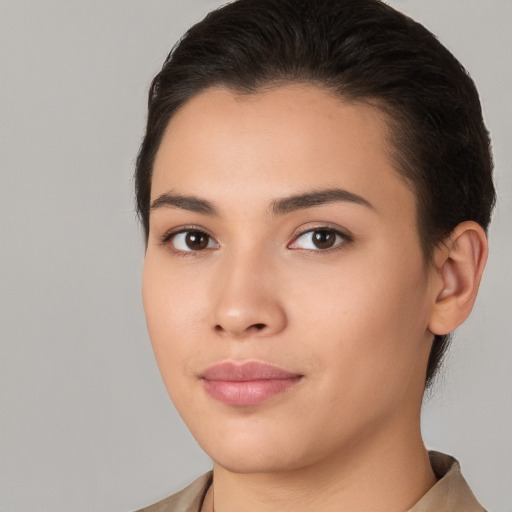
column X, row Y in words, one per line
column 393, row 120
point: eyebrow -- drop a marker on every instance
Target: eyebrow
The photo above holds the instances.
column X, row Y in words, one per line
column 278, row 206
column 316, row 198
column 189, row 203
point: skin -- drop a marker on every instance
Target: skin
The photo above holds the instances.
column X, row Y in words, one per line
column 355, row 320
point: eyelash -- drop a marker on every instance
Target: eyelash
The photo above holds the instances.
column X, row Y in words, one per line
column 170, row 235
column 342, row 237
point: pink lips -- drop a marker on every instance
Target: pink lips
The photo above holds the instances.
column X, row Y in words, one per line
column 248, row 383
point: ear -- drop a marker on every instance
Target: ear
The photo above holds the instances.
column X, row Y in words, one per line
column 459, row 263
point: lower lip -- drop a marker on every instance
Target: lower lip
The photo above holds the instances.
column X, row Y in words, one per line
column 245, row 393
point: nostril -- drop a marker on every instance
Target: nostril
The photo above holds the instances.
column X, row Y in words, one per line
column 254, row 327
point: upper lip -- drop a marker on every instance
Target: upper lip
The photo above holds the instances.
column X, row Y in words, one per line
column 246, row 371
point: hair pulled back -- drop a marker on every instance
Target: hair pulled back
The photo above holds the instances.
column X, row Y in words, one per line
column 360, row 50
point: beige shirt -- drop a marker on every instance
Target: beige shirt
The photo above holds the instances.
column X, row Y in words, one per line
column 451, row 493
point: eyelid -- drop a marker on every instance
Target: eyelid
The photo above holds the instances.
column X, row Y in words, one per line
column 168, row 236
column 339, row 232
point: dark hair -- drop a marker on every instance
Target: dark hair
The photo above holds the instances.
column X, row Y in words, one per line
column 361, row 50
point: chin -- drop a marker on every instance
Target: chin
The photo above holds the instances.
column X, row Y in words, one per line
column 263, row 452
column 250, row 463
column 250, row 453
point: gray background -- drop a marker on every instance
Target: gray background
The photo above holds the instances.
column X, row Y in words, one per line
column 86, row 424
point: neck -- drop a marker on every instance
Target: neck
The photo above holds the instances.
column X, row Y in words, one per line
column 389, row 472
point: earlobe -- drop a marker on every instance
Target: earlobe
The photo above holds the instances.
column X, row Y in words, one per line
column 460, row 263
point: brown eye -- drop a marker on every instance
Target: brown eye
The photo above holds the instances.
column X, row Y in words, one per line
column 323, row 239
column 196, row 240
column 319, row 239
column 192, row 241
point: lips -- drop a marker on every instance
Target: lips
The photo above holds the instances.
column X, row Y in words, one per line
column 246, row 384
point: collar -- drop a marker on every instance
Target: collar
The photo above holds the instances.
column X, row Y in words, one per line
column 451, row 492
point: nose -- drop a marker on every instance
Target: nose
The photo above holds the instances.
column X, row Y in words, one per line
column 247, row 299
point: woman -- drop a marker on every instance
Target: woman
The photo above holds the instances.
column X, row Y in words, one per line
column 315, row 186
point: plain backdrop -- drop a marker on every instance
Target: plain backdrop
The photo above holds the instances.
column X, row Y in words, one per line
column 85, row 422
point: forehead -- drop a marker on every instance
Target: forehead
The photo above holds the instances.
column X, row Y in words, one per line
column 277, row 142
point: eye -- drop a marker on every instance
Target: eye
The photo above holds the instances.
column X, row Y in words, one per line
column 192, row 240
column 319, row 239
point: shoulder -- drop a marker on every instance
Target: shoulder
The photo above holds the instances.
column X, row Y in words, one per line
column 451, row 492
column 188, row 499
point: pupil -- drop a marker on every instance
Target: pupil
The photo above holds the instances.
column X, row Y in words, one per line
column 196, row 240
column 323, row 239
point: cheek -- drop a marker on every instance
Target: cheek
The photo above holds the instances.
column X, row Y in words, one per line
column 360, row 295
column 369, row 318
column 172, row 316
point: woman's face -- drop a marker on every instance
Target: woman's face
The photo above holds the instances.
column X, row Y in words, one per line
column 285, row 290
